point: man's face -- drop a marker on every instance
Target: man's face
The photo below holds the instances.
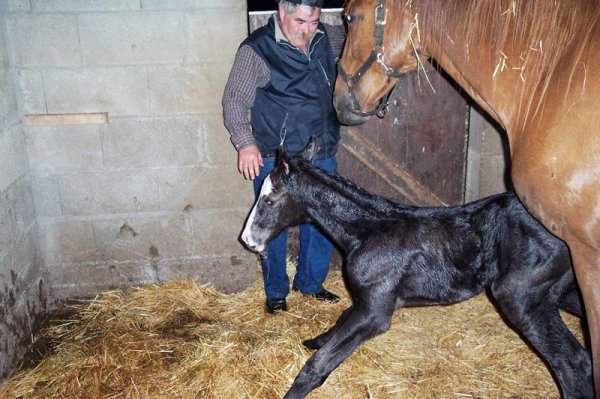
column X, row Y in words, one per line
column 300, row 26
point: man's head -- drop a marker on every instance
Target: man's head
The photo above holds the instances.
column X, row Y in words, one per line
column 299, row 20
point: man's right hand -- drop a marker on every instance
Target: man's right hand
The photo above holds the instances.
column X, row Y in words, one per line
column 249, row 162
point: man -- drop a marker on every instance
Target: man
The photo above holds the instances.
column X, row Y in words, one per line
column 279, row 94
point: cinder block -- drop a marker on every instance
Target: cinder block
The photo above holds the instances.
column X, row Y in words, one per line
column 238, row 5
column 84, row 5
column 203, row 188
column 31, row 87
column 22, row 210
column 133, row 38
column 67, row 242
column 100, row 276
column 6, row 222
column 13, row 161
column 218, row 141
column 218, row 232
column 231, row 273
column 118, row 91
column 204, row 33
column 161, row 236
column 46, row 195
column 108, row 192
column 155, row 142
column 27, row 262
column 196, row 89
column 17, row 5
column 44, row 40
column 60, row 148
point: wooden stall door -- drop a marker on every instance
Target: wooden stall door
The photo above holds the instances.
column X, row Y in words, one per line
column 416, row 154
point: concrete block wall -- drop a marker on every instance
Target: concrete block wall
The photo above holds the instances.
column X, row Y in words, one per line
column 154, row 194
column 488, row 159
column 23, row 284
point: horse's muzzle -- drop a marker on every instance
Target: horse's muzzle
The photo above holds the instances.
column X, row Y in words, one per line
column 345, row 110
column 251, row 244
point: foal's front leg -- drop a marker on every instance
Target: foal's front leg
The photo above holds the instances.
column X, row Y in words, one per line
column 318, row 341
column 360, row 324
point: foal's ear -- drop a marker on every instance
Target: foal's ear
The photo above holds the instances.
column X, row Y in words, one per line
column 311, row 149
column 283, row 161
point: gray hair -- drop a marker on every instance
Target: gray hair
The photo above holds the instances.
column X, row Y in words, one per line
column 289, row 7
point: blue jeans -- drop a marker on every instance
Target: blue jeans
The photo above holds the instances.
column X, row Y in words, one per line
column 315, row 249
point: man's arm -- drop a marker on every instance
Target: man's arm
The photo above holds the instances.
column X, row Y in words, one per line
column 248, row 73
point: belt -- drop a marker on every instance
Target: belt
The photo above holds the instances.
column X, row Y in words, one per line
column 322, row 154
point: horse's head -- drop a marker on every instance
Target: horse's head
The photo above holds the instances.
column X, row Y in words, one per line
column 379, row 48
column 277, row 206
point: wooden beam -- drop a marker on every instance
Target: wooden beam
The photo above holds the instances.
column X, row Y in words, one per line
column 398, row 179
column 66, row 119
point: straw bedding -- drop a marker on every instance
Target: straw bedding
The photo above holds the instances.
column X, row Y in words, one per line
column 184, row 340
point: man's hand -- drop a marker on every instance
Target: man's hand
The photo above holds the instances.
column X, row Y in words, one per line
column 249, row 162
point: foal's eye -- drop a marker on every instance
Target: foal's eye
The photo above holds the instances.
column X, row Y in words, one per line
column 268, row 202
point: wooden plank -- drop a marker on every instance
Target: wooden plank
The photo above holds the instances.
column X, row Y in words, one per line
column 66, row 119
column 372, row 158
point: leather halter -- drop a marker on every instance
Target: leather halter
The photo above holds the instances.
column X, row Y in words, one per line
column 376, row 55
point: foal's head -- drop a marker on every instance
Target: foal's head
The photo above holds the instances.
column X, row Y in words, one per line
column 278, row 205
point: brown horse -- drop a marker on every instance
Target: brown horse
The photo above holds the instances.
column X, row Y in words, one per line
column 534, row 66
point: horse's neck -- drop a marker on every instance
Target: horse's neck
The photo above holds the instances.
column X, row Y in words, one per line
column 475, row 74
column 340, row 208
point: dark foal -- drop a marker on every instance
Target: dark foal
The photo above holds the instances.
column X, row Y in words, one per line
column 400, row 256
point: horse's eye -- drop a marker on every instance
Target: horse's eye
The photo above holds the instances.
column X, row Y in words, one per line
column 349, row 18
column 268, row 202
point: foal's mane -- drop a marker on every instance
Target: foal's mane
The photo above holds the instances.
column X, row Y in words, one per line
column 547, row 36
column 345, row 188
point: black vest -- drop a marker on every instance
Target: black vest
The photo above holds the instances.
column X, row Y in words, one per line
column 297, row 104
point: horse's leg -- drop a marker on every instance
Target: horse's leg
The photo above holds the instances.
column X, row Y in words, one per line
column 360, row 324
column 586, row 262
column 318, row 341
column 533, row 311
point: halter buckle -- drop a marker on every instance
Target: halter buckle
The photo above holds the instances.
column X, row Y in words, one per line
column 379, row 18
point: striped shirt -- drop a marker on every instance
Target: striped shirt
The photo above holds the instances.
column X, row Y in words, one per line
column 249, row 73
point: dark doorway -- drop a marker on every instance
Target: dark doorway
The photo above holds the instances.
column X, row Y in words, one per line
column 269, row 5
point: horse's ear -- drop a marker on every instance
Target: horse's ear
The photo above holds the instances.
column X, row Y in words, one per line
column 283, row 161
column 311, row 149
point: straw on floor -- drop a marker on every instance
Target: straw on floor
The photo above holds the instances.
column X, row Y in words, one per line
column 184, row 340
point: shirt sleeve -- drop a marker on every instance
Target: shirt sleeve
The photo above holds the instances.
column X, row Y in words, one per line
column 337, row 37
column 248, row 73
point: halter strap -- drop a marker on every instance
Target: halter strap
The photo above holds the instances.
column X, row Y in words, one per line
column 376, row 55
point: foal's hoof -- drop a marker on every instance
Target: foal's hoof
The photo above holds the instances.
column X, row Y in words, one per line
column 311, row 344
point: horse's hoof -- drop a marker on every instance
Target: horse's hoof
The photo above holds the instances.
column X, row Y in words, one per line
column 311, row 344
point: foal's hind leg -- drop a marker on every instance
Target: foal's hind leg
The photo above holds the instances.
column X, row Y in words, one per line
column 540, row 324
column 572, row 302
column 361, row 323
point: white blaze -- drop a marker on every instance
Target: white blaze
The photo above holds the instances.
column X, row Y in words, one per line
column 265, row 190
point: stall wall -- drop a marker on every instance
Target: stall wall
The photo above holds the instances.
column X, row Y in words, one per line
column 115, row 166
column 23, row 284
